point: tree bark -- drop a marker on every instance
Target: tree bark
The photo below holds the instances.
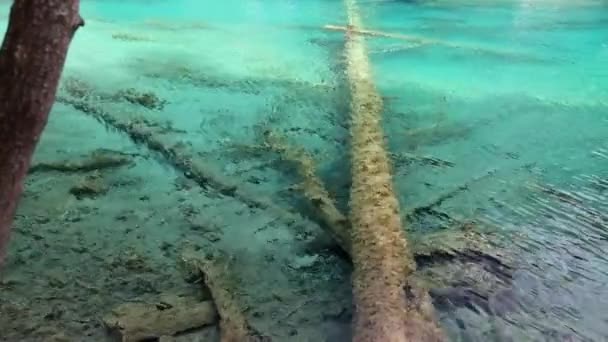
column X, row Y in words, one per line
column 32, row 57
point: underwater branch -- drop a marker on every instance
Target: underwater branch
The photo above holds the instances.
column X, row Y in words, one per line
column 32, row 57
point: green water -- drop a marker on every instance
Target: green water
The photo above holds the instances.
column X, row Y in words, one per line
column 511, row 97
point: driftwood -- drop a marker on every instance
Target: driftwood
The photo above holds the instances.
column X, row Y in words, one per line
column 234, row 327
column 132, row 322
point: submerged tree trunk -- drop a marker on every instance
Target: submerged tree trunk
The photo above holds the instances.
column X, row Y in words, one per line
column 388, row 308
column 31, row 61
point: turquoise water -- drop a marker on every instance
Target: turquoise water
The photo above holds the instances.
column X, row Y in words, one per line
column 511, row 95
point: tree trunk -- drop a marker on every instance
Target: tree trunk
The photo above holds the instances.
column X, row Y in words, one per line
column 32, row 57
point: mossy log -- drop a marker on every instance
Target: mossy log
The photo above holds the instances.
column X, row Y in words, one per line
column 387, row 306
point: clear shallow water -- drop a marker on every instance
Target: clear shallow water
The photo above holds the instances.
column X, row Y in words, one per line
column 562, row 45
column 518, row 88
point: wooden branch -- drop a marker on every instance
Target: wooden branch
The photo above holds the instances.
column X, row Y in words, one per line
column 234, row 327
column 423, row 41
column 405, row 157
column 335, row 223
column 133, row 322
column 437, row 201
column 395, row 49
column 98, row 159
column 32, row 57
column 374, row 33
